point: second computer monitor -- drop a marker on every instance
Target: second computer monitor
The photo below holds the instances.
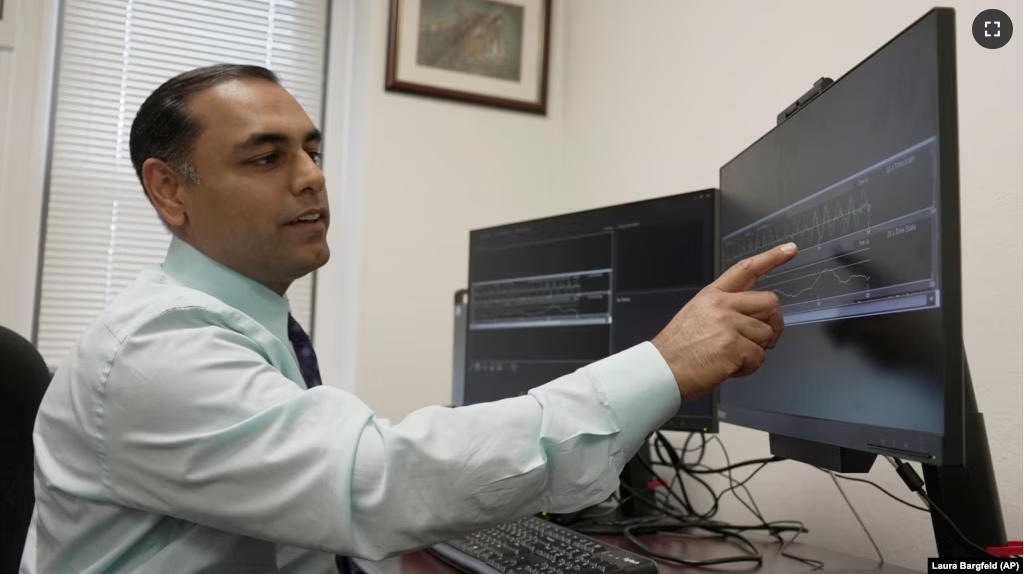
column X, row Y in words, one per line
column 864, row 180
column 551, row 295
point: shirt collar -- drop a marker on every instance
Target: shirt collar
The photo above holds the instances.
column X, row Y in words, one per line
column 196, row 270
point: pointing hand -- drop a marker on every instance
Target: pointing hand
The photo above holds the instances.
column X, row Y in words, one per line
column 725, row 330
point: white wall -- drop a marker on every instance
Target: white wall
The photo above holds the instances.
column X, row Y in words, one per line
column 660, row 94
column 25, row 78
column 414, row 176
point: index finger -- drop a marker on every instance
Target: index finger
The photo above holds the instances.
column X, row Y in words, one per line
column 743, row 275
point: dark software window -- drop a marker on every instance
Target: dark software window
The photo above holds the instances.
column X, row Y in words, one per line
column 550, row 296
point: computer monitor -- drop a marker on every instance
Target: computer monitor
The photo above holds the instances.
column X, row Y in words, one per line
column 551, row 295
column 864, row 178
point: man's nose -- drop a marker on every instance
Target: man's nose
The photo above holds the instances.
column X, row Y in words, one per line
column 309, row 176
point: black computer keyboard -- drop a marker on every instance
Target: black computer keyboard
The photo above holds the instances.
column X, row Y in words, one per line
column 535, row 546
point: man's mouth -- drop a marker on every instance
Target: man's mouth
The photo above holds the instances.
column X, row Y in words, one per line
column 308, row 219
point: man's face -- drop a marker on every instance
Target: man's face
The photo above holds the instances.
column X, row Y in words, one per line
column 258, row 162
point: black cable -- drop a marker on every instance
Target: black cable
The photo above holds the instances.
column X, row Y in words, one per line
column 816, row 564
column 584, row 521
column 632, row 532
column 736, row 484
column 770, row 527
column 915, row 484
column 813, row 563
column 883, row 490
column 674, row 460
column 671, row 492
column 694, row 449
column 682, row 485
column 613, row 528
column 651, row 505
column 714, row 497
column 971, row 543
column 723, row 530
column 679, row 465
column 675, row 464
column 728, row 472
column 594, row 523
column 686, row 467
column 775, row 529
column 724, row 535
column 690, row 522
column 586, row 518
column 720, row 530
column 739, row 464
column 702, row 449
column 694, row 469
column 703, row 446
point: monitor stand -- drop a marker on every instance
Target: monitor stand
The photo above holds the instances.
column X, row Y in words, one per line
column 967, row 494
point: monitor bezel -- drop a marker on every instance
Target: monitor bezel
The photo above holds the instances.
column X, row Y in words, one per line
column 950, row 451
column 676, row 423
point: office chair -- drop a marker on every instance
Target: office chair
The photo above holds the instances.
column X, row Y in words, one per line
column 24, row 378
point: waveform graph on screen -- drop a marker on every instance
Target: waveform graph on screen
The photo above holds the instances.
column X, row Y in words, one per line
column 542, row 301
column 868, row 244
column 810, row 226
column 843, row 275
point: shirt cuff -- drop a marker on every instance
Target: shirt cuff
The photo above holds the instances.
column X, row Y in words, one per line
column 638, row 388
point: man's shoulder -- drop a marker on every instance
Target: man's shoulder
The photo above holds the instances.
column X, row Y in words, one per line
column 153, row 304
column 149, row 300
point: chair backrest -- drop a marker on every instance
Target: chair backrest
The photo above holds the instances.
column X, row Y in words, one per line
column 24, row 378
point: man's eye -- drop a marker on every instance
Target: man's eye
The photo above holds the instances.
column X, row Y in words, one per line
column 315, row 156
column 265, row 160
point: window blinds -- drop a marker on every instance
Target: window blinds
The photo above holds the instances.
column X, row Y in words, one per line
column 100, row 228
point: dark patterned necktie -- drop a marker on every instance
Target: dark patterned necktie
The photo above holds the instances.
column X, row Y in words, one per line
column 304, row 353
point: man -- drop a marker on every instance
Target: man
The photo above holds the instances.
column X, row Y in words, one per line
column 188, row 430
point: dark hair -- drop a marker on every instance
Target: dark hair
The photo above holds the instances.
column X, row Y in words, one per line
column 165, row 128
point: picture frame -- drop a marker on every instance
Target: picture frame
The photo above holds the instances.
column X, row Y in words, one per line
column 487, row 52
column 8, row 17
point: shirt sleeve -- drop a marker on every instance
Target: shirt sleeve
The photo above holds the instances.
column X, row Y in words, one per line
column 194, row 423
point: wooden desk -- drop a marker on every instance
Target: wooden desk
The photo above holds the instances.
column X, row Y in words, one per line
column 697, row 549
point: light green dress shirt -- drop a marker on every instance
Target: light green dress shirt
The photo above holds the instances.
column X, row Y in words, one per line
column 178, row 436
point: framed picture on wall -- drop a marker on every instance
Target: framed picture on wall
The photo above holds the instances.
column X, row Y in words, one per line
column 480, row 51
column 7, row 23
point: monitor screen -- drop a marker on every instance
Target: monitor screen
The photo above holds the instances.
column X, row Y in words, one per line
column 549, row 296
column 864, row 181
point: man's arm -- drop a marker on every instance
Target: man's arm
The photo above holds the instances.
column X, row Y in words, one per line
column 197, row 425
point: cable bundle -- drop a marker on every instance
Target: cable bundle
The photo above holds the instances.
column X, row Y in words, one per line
column 675, row 513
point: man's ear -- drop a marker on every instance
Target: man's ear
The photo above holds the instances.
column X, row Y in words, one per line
column 166, row 189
